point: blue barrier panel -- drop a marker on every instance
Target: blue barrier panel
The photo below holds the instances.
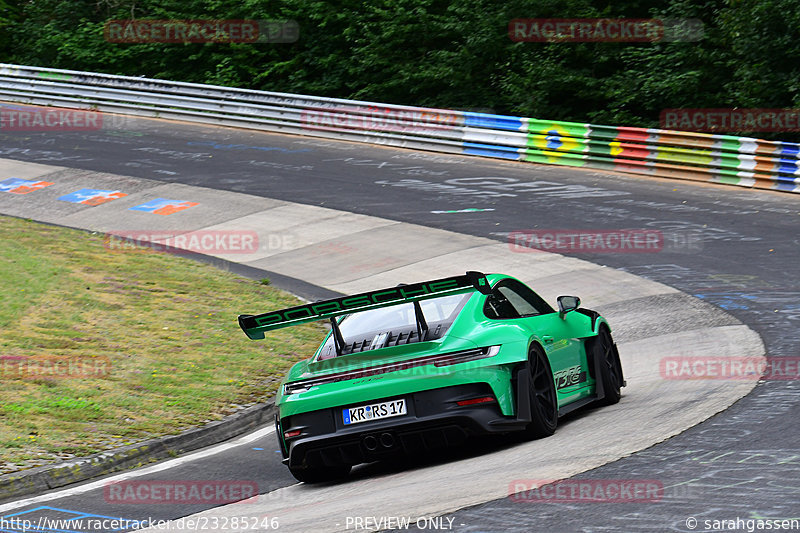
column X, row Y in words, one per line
column 495, row 122
column 491, row 150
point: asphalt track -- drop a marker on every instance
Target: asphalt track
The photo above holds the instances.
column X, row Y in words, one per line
column 358, row 253
column 742, row 463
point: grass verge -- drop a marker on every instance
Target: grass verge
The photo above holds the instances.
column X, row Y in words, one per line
column 100, row 348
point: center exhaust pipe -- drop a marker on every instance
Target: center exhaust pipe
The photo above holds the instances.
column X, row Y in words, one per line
column 387, row 440
column 370, row 443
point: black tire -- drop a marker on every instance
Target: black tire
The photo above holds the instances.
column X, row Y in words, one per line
column 320, row 474
column 610, row 369
column 544, row 402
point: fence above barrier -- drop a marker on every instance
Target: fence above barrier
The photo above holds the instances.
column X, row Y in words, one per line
column 733, row 160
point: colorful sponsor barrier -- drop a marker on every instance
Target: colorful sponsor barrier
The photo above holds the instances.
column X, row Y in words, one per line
column 726, row 159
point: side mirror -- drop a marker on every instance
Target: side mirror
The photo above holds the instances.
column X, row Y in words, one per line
column 567, row 304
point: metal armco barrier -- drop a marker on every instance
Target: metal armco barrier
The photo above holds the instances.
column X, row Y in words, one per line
column 742, row 161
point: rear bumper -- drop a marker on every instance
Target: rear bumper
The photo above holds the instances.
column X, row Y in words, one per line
column 433, row 420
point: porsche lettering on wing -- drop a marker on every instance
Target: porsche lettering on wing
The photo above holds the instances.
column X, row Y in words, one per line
column 355, row 302
column 255, row 325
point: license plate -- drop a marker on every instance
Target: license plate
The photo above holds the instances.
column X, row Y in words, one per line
column 373, row 411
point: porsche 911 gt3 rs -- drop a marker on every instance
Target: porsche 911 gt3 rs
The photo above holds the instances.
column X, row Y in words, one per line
column 417, row 367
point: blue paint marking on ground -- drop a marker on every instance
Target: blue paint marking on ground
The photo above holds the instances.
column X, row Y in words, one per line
column 152, row 205
column 729, row 300
column 163, row 206
column 16, row 107
column 13, row 183
column 28, row 522
column 82, row 195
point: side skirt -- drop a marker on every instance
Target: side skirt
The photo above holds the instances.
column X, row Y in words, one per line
column 574, row 406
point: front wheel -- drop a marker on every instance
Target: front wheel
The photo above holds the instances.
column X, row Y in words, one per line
column 320, row 474
column 609, row 372
column 544, row 404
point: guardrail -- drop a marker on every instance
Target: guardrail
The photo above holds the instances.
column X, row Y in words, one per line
column 742, row 161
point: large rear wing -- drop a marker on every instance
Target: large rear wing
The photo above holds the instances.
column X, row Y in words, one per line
column 254, row 326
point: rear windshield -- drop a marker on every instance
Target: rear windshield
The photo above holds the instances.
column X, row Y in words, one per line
column 396, row 324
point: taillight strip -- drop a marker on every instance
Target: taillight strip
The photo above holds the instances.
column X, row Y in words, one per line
column 440, row 360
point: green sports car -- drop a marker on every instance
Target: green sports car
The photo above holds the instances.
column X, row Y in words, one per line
column 422, row 366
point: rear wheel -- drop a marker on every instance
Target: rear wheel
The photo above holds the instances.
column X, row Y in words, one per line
column 319, row 474
column 544, row 405
column 610, row 368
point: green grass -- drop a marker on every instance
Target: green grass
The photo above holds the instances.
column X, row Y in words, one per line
column 163, row 328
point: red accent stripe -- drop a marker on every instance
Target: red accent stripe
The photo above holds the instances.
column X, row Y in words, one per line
column 485, row 399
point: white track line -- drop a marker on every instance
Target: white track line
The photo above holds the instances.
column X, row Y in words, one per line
column 166, row 465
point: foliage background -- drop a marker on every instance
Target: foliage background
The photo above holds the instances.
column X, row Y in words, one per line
column 453, row 54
